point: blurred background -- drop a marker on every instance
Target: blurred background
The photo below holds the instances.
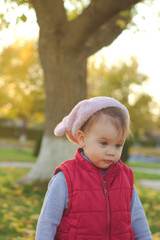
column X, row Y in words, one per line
column 125, row 67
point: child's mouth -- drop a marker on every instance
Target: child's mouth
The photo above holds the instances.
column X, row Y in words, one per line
column 108, row 161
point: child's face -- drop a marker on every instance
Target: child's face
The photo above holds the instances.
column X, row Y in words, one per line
column 102, row 143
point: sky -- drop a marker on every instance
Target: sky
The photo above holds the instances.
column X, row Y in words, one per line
column 143, row 44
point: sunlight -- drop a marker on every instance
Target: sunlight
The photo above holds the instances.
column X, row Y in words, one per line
column 143, row 44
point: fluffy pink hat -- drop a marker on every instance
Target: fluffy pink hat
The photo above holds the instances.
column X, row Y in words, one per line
column 82, row 112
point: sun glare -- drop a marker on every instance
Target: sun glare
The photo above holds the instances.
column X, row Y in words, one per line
column 143, row 44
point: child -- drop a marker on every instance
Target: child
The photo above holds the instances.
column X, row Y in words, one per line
column 92, row 197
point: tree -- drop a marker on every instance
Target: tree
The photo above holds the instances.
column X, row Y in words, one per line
column 64, row 46
column 125, row 83
column 21, row 83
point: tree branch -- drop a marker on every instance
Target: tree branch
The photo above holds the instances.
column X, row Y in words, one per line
column 105, row 35
column 94, row 16
column 50, row 13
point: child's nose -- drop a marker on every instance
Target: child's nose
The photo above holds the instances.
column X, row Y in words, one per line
column 110, row 152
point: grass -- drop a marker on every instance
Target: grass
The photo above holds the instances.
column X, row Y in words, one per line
column 143, row 165
column 151, row 203
column 20, row 210
column 12, row 154
column 141, row 175
column 12, row 150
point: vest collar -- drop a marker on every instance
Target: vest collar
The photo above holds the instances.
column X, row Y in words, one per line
column 112, row 170
column 83, row 162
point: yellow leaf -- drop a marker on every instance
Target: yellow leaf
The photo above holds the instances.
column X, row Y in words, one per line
column 156, row 207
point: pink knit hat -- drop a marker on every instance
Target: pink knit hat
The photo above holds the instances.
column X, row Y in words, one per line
column 82, row 112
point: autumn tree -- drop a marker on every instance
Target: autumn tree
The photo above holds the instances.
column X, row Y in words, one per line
column 124, row 82
column 21, row 83
column 64, row 46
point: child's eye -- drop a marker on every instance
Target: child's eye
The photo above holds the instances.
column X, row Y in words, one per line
column 118, row 145
column 103, row 143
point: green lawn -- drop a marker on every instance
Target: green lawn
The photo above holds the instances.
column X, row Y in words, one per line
column 141, row 175
column 12, row 154
column 21, row 204
column 144, row 165
column 151, row 203
column 13, row 150
column 26, row 155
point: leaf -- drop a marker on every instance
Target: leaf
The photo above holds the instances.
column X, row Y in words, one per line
column 23, row 18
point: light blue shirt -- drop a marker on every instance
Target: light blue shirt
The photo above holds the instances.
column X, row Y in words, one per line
column 56, row 202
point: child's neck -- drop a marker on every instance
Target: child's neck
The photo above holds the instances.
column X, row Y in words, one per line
column 82, row 153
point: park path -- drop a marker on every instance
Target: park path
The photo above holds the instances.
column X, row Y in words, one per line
column 146, row 170
column 149, row 183
column 30, row 164
column 17, row 164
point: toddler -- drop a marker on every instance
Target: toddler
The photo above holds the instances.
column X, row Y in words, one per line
column 92, row 197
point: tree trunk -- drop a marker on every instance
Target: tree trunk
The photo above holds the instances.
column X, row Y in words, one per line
column 64, row 47
column 65, row 84
column 53, row 152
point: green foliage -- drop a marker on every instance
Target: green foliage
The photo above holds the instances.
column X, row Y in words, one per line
column 21, row 83
column 22, row 18
column 18, row 2
column 119, row 80
column 10, row 7
column 75, row 7
column 15, row 132
column 125, row 83
column 3, row 22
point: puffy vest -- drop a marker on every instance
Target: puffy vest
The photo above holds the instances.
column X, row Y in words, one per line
column 99, row 207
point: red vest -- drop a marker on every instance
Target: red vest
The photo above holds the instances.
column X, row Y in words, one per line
column 99, row 207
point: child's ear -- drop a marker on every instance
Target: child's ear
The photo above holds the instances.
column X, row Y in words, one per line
column 80, row 138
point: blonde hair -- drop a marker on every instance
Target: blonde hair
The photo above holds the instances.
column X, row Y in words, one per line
column 118, row 118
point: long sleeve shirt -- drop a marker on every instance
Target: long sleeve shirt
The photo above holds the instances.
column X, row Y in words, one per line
column 56, row 202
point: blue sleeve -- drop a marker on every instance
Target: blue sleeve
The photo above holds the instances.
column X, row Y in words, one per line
column 139, row 223
column 55, row 203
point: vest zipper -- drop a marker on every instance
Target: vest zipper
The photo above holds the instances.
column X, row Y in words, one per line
column 108, row 208
column 105, row 188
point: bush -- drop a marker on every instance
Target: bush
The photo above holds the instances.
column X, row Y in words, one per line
column 30, row 134
column 16, row 132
